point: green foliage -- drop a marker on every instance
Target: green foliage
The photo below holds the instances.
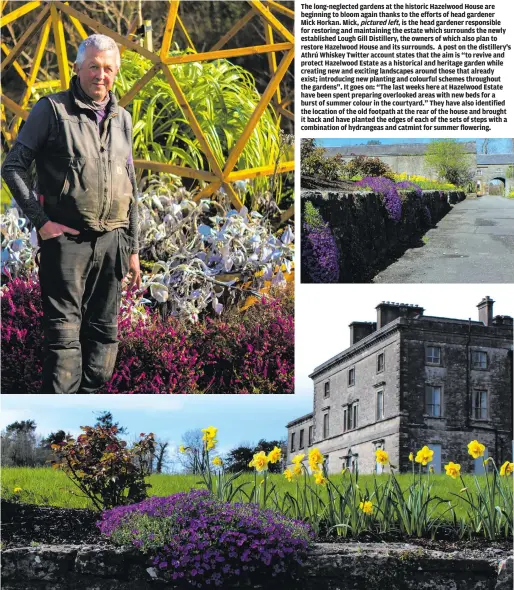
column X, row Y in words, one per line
column 449, row 159
column 313, row 162
column 103, row 468
column 5, row 197
column 365, row 166
column 490, row 508
column 416, row 503
column 312, row 216
column 222, row 96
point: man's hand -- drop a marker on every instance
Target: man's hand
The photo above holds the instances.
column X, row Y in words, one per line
column 52, row 230
column 134, row 272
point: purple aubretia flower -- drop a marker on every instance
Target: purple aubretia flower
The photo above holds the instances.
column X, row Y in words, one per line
column 388, row 191
column 320, row 256
column 200, row 539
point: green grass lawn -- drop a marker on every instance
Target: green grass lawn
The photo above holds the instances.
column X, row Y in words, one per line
column 52, row 488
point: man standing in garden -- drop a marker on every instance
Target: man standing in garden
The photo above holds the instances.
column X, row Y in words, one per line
column 85, row 211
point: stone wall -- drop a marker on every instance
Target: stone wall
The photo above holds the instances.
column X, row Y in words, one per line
column 458, row 380
column 398, row 566
column 366, row 237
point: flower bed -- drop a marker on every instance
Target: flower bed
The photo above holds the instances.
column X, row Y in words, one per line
column 200, row 539
column 320, row 259
column 371, row 229
column 251, row 352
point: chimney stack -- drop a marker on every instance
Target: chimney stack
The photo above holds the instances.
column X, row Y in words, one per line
column 359, row 330
column 485, row 311
column 387, row 312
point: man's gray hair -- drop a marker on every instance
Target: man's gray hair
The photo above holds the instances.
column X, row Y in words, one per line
column 99, row 42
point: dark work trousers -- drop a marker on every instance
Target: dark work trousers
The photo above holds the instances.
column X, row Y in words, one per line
column 80, row 279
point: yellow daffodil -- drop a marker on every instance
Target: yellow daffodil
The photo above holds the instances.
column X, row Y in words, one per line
column 452, row 469
column 209, row 432
column 476, row 449
column 297, row 459
column 217, row 461
column 275, row 455
column 211, row 444
column 182, row 449
column 411, row 456
column 320, row 479
column 297, row 469
column 209, row 437
column 431, row 469
column 289, row 475
column 382, row 457
column 366, row 507
column 424, row 455
column 17, row 490
column 259, row 461
column 507, row 468
column 315, row 459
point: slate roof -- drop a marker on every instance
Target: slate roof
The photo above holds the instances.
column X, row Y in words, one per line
column 399, row 149
column 491, row 159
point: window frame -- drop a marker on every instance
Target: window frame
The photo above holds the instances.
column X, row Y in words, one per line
column 440, row 387
column 326, row 389
column 301, row 441
column 479, row 367
column 293, row 449
column 311, row 435
column 350, row 416
column 380, row 369
column 474, row 407
column 351, row 376
column 326, row 425
column 431, row 362
column 379, row 415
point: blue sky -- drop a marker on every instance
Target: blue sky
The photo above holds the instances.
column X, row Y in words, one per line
column 496, row 145
column 240, row 418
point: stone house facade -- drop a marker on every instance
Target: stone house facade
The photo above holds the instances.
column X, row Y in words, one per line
column 494, row 167
column 409, row 380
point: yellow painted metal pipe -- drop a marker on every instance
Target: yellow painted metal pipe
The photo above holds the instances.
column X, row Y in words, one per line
column 190, row 116
column 272, row 20
column 15, row 14
column 15, row 64
column 126, row 98
column 106, row 31
column 174, row 169
column 29, row 33
column 228, row 53
column 263, row 103
column 60, row 48
column 234, row 30
column 170, row 27
column 268, row 170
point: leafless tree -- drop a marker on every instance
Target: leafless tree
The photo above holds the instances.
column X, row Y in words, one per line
column 161, row 455
column 192, row 439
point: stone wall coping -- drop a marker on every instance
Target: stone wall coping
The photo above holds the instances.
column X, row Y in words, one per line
column 328, row 565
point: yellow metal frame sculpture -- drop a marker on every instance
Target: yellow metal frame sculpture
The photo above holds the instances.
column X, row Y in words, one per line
column 50, row 14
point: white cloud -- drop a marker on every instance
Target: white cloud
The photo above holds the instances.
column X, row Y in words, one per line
column 8, row 416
